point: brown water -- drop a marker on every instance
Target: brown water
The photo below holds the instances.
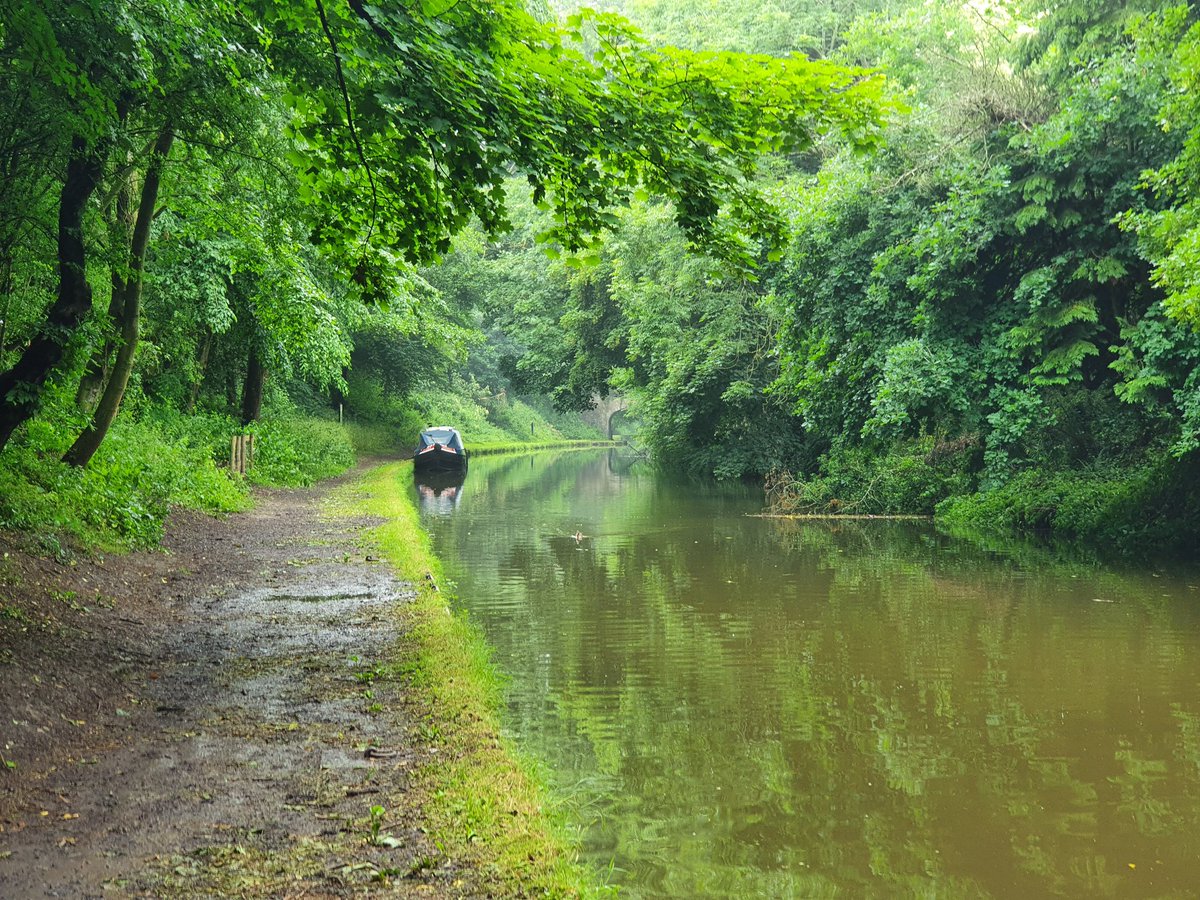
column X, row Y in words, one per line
column 738, row 707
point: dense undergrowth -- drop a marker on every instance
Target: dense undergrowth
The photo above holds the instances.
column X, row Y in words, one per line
column 909, row 479
column 1140, row 504
column 1148, row 509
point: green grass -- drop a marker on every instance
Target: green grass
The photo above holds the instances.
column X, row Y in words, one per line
column 493, row 447
column 484, row 805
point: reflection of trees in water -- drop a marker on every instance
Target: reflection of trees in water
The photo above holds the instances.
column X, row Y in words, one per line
column 867, row 707
column 895, row 742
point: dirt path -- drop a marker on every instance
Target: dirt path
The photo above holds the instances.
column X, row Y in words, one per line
column 205, row 721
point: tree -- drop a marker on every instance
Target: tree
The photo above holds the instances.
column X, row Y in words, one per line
column 408, row 118
column 127, row 296
column 101, row 76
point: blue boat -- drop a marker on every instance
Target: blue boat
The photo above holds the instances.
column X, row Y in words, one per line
column 440, row 449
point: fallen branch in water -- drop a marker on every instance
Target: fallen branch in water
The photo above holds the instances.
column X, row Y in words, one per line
column 771, row 515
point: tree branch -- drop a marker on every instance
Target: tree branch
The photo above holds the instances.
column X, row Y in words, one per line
column 341, row 79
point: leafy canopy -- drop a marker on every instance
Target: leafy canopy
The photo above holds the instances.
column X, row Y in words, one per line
column 409, row 126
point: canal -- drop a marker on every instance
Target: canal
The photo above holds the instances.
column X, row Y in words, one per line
column 735, row 706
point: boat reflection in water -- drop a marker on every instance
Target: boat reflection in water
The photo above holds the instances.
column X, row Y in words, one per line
column 438, row 493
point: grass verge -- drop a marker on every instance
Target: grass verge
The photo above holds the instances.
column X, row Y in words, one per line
column 493, row 447
column 483, row 805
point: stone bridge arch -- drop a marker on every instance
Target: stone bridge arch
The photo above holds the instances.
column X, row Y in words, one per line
column 601, row 415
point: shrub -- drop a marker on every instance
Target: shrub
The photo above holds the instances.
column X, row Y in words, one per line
column 910, row 478
column 121, row 498
column 295, row 451
column 1151, row 506
column 165, row 458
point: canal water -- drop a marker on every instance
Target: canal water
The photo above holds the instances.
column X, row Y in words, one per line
column 736, row 706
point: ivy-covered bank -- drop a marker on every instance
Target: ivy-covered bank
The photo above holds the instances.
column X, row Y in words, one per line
column 483, row 803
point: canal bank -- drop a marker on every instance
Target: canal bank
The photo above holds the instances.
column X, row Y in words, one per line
column 483, row 801
column 261, row 708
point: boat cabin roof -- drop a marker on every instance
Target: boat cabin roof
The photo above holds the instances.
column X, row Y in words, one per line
column 443, row 434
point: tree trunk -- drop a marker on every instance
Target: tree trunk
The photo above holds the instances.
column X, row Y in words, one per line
column 252, row 390
column 6, row 293
column 231, row 390
column 92, row 384
column 21, row 386
column 202, row 365
column 89, row 442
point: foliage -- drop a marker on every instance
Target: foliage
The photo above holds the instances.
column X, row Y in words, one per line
column 295, row 452
column 985, row 279
column 1148, row 509
column 151, row 463
column 679, row 216
column 779, row 28
column 908, row 478
column 481, row 89
column 685, row 343
column 1012, row 265
column 310, row 153
column 122, row 498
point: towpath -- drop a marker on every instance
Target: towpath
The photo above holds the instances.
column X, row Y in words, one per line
column 203, row 720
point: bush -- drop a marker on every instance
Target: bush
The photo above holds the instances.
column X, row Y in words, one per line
column 295, row 452
column 1152, row 506
column 144, row 467
column 910, row 479
column 203, row 431
column 121, row 498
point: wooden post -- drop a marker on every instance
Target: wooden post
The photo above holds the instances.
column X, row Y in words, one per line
column 241, row 453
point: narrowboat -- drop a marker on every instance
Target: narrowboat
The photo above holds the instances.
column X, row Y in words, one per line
column 440, row 450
